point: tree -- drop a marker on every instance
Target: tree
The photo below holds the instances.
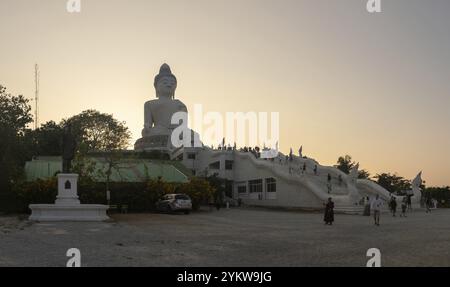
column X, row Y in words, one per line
column 393, row 183
column 99, row 132
column 345, row 164
column 218, row 185
column 47, row 139
column 363, row 174
column 14, row 117
column 15, row 113
column 441, row 194
column 198, row 189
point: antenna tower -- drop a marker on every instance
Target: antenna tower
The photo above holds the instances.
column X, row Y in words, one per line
column 36, row 96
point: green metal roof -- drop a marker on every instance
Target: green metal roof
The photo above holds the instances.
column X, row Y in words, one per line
column 127, row 170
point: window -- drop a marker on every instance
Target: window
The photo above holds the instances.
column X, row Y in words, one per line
column 215, row 165
column 242, row 189
column 182, row 197
column 191, row 155
column 228, row 164
column 271, row 184
column 255, row 185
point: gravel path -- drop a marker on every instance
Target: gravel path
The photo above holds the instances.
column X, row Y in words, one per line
column 235, row 237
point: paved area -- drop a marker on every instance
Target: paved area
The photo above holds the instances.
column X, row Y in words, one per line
column 235, row 237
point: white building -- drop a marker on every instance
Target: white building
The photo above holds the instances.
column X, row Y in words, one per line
column 298, row 182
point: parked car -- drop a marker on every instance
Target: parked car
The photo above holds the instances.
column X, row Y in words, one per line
column 177, row 202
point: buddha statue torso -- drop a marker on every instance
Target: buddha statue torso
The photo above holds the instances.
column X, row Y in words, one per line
column 158, row 114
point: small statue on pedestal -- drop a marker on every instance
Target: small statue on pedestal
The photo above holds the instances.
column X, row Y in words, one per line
column 69, row 146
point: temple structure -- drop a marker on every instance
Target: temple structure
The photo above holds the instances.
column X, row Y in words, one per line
column 283, row 181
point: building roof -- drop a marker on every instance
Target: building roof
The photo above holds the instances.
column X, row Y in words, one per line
column 127, row 170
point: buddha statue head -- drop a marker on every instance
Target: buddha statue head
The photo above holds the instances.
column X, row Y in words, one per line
column 165, row 83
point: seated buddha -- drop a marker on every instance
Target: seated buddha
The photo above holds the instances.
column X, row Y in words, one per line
column 158, row 113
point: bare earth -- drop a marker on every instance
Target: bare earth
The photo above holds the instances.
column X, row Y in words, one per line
column 235, row 237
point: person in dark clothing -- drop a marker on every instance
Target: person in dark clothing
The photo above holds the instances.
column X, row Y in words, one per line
column 393, row 205
column 409, row 202
column 404, row 206
column 428, row 202
column 329, row 212
column 367, row 206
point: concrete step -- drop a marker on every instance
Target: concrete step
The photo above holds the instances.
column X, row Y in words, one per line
column 349, row 209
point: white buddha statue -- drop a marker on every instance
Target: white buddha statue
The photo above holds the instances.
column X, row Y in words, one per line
column 158, row 113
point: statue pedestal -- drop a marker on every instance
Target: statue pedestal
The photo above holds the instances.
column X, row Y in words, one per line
column 67, row 206
column 155, row 142
column 67, row 189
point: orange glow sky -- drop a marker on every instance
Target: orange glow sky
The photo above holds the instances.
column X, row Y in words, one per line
column 375, row 86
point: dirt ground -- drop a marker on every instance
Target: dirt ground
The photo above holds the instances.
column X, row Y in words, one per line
column 234, row 237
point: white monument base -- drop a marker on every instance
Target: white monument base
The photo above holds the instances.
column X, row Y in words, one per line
column 67, row 207
column 82, row 212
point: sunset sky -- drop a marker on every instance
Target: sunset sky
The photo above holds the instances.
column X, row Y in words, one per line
column 375, row 86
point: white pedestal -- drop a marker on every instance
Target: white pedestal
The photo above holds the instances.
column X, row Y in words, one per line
column 67, row 206
column 67, row 189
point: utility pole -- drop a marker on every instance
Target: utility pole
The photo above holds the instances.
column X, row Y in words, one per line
column 36, row 97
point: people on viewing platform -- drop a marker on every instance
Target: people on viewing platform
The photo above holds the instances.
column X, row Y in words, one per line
column 315, row 169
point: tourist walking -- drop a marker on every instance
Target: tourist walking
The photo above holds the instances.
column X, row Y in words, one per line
column 329, row 212
column 393, row 205
column 409, row 201
column 404, row 206
column 315, row 169
column 367, row 207
column 428, row 201
column 211, row 203
column 304, row 168
column 376, row 206
column 218, row 203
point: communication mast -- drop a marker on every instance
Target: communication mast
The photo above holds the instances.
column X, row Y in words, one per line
column 36, row 96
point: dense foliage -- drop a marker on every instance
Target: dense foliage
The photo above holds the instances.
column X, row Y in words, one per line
column 139, row 197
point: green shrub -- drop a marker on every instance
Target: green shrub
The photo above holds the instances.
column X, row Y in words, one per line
column 140, row 196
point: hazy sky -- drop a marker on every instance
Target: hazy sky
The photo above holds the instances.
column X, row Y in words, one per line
column 375, row 86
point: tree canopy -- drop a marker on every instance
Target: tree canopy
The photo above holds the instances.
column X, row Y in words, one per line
column 393, row 182
column 97, row 131
column 14, row 117
column 345, row 164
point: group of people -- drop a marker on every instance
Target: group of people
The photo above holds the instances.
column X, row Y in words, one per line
column 405, row 204
column 375, row 205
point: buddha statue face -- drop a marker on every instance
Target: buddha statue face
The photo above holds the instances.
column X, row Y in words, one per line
column 165, row 87
column 165, row 83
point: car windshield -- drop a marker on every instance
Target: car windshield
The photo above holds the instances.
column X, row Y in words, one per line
column 182, row 196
